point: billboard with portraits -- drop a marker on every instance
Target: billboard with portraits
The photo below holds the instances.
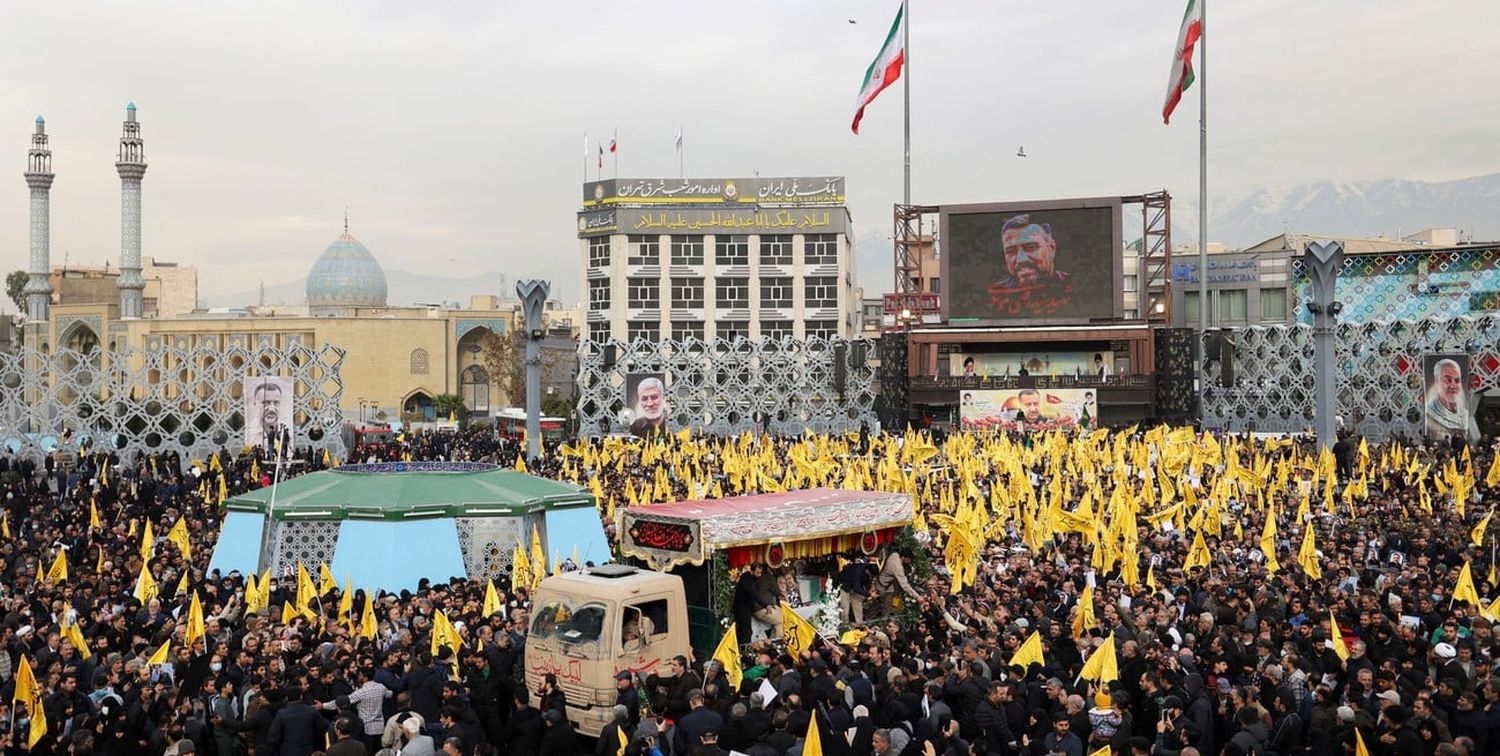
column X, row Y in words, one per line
column 1093, row 364
column 1447, row 406
column 1038, row 262
column 1028, row 409
column 646, row 403
column 268, row 406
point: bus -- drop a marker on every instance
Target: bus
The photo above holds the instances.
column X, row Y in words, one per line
column 511, row 423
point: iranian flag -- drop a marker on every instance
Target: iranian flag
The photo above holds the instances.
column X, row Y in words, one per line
column 884, row 70
column 1182, row 57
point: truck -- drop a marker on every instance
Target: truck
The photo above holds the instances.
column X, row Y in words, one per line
column 586, row 627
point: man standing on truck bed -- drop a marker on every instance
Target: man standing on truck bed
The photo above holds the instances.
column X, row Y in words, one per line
column 753, row 602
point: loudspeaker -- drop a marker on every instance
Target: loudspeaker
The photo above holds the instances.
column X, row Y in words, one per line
column 609, row 357
column 1226, row 360
column 840, row 368
column 894, row 383
column 1175, row 358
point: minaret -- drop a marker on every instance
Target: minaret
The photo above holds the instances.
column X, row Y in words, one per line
column 131, row 166
column 39, row 176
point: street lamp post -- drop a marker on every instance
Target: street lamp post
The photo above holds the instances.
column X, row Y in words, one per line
column 1323, row 260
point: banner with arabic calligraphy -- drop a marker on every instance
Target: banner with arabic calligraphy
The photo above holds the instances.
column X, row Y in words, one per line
column 822, row 190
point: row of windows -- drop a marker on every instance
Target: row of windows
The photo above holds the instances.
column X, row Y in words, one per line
column 818, row 249
column 727, row 329
column 1234, row 305
column 822, row 292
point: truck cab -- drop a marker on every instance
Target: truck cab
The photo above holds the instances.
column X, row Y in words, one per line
column 588, row 626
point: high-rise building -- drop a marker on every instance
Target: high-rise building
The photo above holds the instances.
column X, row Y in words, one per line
column 717, row 258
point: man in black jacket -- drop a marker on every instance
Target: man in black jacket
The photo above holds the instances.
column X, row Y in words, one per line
column 297, row 730
column 425, row 682
column 559, row 739
column 752, row 602
column 963, row 694
column 523, row 731
column 989, row 718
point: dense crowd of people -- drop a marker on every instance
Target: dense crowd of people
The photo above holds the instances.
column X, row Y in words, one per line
column 1256, row 598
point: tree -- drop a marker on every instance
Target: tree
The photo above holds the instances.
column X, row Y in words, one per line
column 15, row 285
column 449, row 404
column 504, row 358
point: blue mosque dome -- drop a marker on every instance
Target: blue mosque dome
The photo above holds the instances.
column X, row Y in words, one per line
column 345, row 275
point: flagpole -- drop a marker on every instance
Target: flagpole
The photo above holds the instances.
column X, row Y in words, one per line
column 680, row 174
column 585, row 157
column 1203, row 169
column 906, row 98
column 614, row 146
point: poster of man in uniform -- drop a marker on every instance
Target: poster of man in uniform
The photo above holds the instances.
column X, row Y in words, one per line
column 268, row 406
column 646, row 397
column 1028, row 409
column 1447, row 406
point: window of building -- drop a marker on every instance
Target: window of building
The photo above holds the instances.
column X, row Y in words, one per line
column 682, row 329
column 822, row 293
column 776, row 292
column 474, row 387
column 820, row 249
column 732, row 293
column 687, row 250
column 935, row 285
column 1131, row 314
column 1190, row 306
column 1128, row 284
column 775, row 329
column 1273, row 305
column 644, row 250
column 643, row 293
column 822, row 328
column 419, row 362
column 776, row 250
column 599, row 332
column 687, row 293
column 649, row 330
column 599, row 251
column 731, row 250
column 599, row 294
column 1232, row 305
column 731, row 330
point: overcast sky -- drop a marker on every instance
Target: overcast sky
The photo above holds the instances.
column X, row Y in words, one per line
column 454, row 131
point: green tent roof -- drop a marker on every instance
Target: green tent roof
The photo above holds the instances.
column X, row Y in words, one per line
column 406, row 490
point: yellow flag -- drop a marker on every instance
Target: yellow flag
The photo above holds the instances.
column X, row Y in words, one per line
column 5, row 525
column 1268, row 542
column 305, row 588
column 624, row 741
column 1463, row 590
column 94, row 523
column 178, row 535
column 1198, row 555
column 1029, row 653
column 252, row 595
column 288, row 613
column 160, row 657
column 796, row 631
column 812, row 745
column 26, row 683
column 195, row 629
column 1151, row 578
column 1106, row 752
column 346, row 600
column 75, row 636
column 1337, row 636
column 538, row 557
column 1307, row 556
column 520, row 572
column 853, row 637
column 58, row 572
column 367, row 623
column 1103, row 665
column 148, row 542
column 145, row 586
column 1359, row 744
column 182, row 585
column 1477, row 534
column 728, row 655
column 1085, row 618
column 326, row 582
column 491, row 599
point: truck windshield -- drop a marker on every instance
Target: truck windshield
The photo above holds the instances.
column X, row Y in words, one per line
column 560, row 620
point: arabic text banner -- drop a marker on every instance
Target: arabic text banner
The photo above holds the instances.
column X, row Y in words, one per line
column 1027, row 409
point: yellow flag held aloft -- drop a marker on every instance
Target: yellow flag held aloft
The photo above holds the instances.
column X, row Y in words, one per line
column 346, row 600
column 252, row 595
column 1477, row 535
column 29, row 692
column 1103, row 665
column 1307, row 556
column 195, row 628
column 728, row 655
column 1106, row 752
column 148, row 542
column 367, row 623
column 1198, row 555
column 145, row 586
column 853, row 637
column 1359, row 744
column 326, row 582
column 1463, row 590
column 812, row 745
column 94, row 523
column 160, row 657
column 306, row 591
column 1029, row 653
column 178, row 535
column 1337, row 636
column 58, row 572
column 797, row 632
column 491, row 599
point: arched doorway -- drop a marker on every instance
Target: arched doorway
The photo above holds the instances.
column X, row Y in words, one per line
column 418, row 408
column 474, row 387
